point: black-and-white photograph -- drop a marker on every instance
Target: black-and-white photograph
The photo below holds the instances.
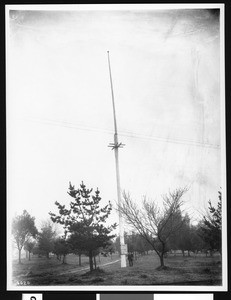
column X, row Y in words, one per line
column 115, row 118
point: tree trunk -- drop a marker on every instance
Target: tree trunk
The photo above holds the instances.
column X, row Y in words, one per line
column 162, row 260
column 182, row 252
column 95, row 262
column 220, row 253
column 29, row 255
column 90, row 261
column 162, row 255
column 48, row 255
column 80, row 260
column 19, row 256
column 64, row 259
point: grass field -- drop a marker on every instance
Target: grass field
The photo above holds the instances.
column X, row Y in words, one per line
column 200, row 270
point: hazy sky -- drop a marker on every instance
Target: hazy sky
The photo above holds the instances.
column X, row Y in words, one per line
column 166, row 76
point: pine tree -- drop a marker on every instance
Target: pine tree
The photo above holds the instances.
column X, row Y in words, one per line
column 84, row 221
column 211, row 225
column 61, row 248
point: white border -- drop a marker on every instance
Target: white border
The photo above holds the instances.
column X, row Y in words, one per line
column 223, row 151
column 8, row 216
column 115, row 288
column 111, row 7
column 122, row 7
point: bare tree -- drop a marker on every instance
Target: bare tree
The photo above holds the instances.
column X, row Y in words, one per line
column 155, row 224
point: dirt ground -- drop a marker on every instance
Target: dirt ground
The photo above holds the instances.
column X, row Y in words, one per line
column 179, row 270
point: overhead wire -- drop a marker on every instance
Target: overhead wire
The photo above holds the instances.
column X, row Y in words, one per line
column 125, row 133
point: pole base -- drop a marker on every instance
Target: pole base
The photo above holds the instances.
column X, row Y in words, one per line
column 123, row 261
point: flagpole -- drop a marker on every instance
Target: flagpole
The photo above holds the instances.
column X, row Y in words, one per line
column 116, row 147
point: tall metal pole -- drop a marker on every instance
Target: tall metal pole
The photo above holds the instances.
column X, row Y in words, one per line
column 116, row 147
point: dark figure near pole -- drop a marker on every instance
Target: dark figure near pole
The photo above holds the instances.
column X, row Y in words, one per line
column 130, row 258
